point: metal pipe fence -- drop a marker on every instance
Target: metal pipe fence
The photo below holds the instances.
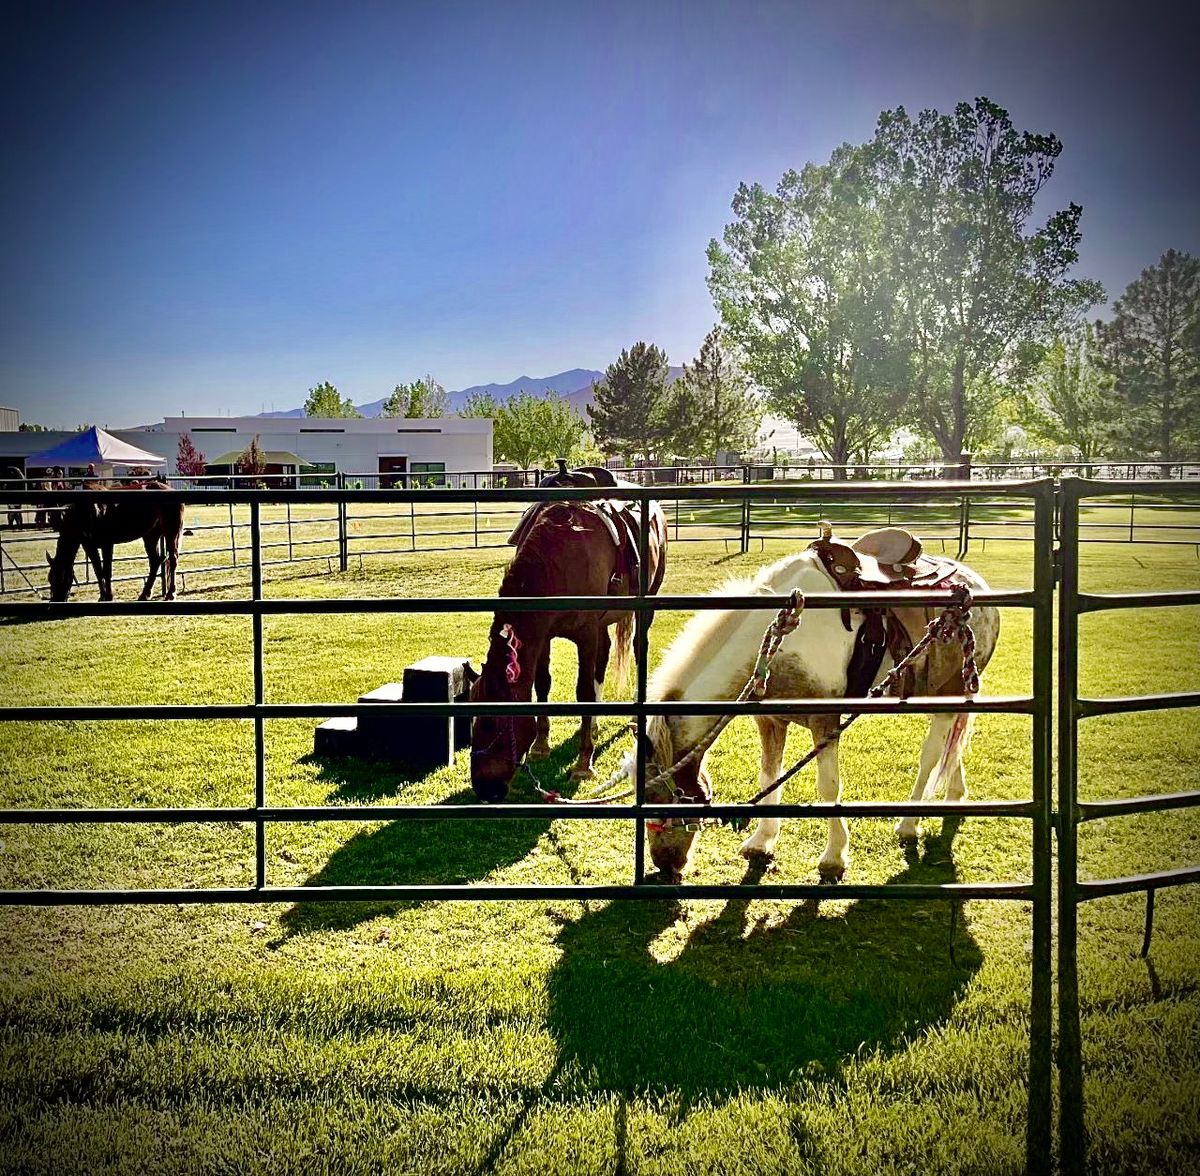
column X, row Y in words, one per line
column 1037, row 704
column 1072, row 812
column 1055, row 513
column 428, row 524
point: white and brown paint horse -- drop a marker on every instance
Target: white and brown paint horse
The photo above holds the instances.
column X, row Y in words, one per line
column 713, row 657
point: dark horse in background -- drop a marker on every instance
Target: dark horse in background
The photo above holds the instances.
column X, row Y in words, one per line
column 149, row 513
column 563, row 549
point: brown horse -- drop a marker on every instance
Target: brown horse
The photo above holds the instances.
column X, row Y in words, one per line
column 147, row 514
column 563, row 549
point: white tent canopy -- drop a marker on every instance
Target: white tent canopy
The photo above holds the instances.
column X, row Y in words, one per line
column 92, row 447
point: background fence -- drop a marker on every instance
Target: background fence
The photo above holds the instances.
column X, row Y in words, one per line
column 323, row 537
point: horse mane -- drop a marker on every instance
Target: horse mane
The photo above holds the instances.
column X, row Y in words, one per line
column 706, row 632
column 526, row 571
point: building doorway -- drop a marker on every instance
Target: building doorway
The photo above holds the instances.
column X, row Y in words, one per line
column 392, row 472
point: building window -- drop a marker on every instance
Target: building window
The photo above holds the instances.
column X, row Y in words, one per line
column 317, row 474
column 428, row 473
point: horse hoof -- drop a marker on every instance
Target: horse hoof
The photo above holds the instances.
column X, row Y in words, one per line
column 830, row 874
column 756, row 853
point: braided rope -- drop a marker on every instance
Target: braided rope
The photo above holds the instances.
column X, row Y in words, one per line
column 785, row 621
column 953, row 624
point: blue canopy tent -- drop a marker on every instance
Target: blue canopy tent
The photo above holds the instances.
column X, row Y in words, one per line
column 92, row 447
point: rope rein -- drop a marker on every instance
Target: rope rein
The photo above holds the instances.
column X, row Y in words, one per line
column 953, row 624
column 786, row 621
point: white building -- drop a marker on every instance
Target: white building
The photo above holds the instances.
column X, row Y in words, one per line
column 370, row 449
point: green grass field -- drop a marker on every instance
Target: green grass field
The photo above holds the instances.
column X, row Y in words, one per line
column 649, row 1037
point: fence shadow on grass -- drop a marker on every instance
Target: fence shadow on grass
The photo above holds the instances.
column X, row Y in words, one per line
column 754, row 1006
column 434, row 852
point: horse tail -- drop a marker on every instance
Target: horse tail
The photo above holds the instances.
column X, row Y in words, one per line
column 958, row 739
column 622, row 650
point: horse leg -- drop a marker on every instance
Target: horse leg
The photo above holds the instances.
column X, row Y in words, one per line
column 106, row 556
column 155, row 560
column 94, row 557
column 907, row 828
column 172, row 561
column 541, row 683
column 829, row 787
column 772, row 733
column 588, row 686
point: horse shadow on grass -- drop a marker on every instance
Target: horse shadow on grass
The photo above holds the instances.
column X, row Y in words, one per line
column 754, row 1005
column 422, row 852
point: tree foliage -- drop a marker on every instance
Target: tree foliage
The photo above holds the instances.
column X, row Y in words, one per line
column 629, row 412
column 1151, row 348
column 189, row 461
column 479, row 404
column 531, row 429
column 712, row 404
column 1068, row 401
column 252, row 462
column 803, row 287
column 425, row 398
column 326, row 401
column 980, row 295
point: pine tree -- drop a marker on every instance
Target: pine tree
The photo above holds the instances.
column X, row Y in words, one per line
column 1152, row 350
column 629, row 414
column 713, row 407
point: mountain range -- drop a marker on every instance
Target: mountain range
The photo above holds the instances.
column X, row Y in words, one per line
column 573, row 385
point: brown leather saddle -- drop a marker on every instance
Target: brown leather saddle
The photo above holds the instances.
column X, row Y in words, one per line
column 886, row 559
column 621, row 519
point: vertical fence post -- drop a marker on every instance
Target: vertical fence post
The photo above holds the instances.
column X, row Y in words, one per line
column 2, row 564
column 288, row 508
column 260, row 765
column 475, row 506
column 1132, row 500
column 1038, row 1133
column 745, row 535
column 343, row 527
column 641, row 649
column 232, row 537
column 412, row 515
column 1072, row 1134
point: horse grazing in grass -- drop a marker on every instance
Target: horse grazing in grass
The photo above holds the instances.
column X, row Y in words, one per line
column 147, row 513
column 563, row 549
column 714, row 655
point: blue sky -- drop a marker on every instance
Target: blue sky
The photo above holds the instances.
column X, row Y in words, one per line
column 212, row 207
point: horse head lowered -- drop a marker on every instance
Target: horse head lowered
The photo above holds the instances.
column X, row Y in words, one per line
column 577, row 548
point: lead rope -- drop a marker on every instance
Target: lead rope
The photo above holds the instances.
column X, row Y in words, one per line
column 954, row 624
column 785, row 622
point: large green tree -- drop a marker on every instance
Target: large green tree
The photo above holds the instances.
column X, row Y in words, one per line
column 803, row 287
column 425, row 398
column 1151, row 347
column 1068, row 401
column 712, row 405
column 326, row 401
column 532, row 429
column 629, row 409
column 479, row 404
column 981, row 295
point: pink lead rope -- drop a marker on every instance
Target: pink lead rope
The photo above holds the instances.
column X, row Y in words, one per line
column 512, row 668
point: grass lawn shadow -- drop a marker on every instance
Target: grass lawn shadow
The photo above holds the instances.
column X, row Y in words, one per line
column 754, row 1006
column 416, row 852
